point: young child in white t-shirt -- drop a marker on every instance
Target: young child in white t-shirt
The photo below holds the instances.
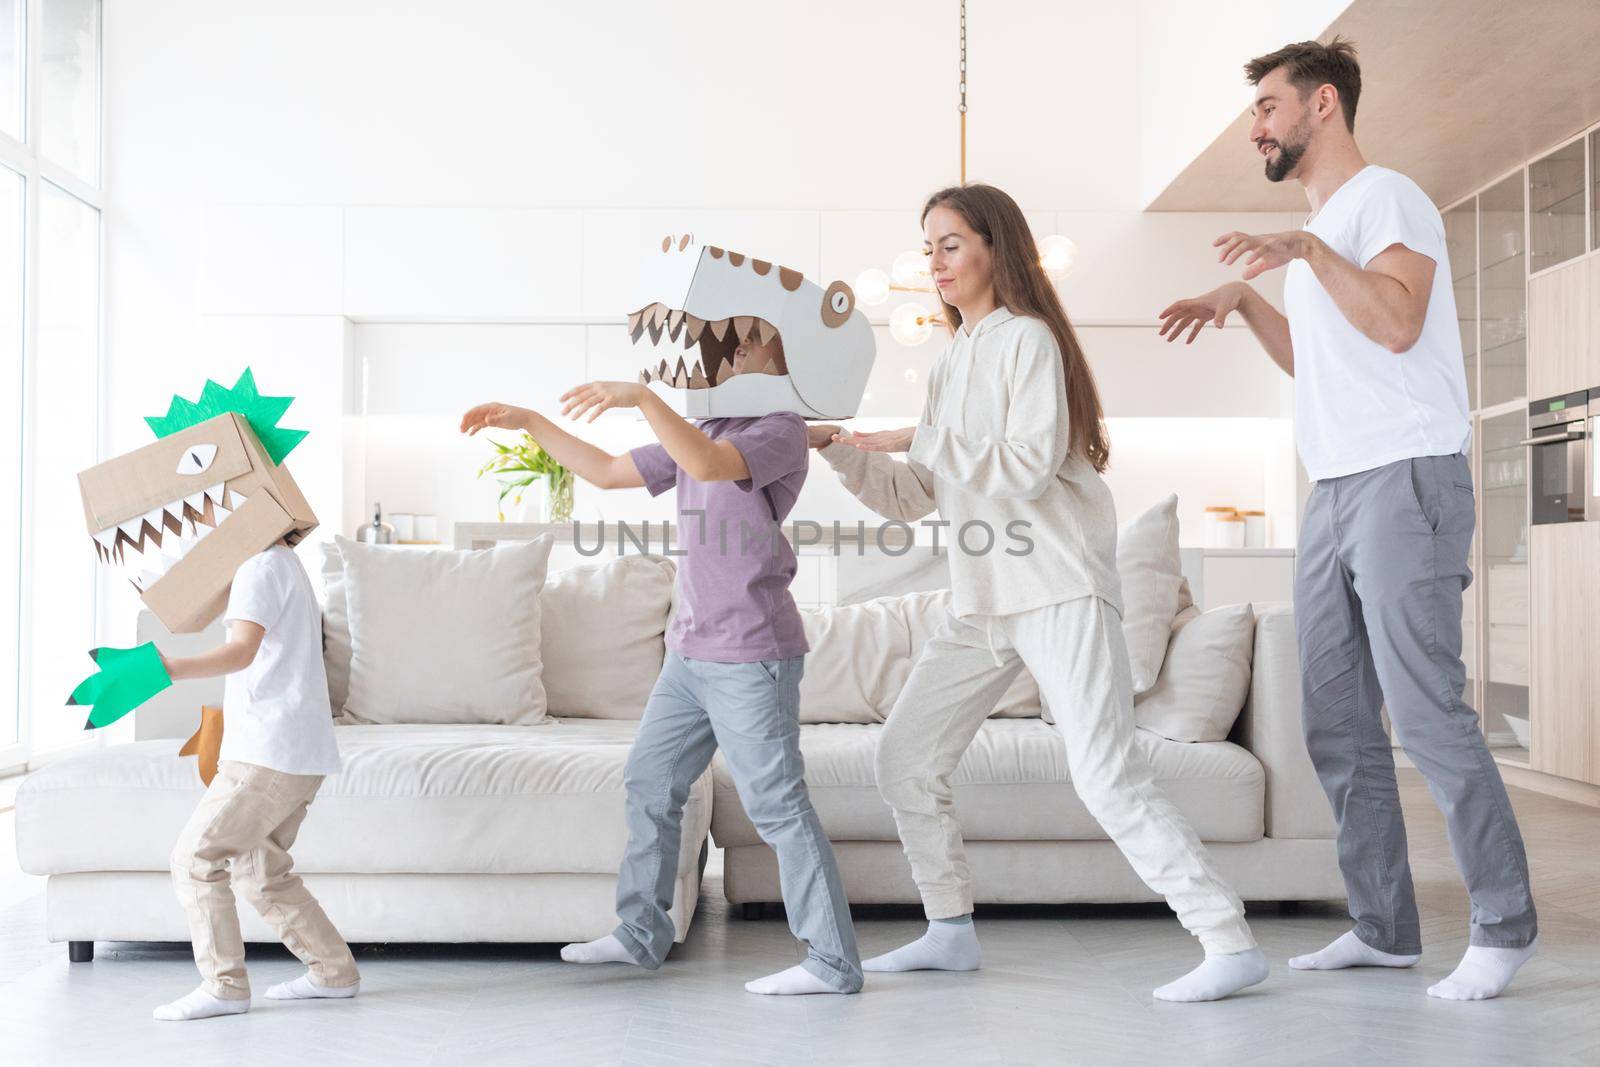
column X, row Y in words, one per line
column 277, row 745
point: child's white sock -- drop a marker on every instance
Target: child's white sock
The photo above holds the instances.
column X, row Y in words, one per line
column 604, row 950
column 200, row 1005
column 945, row 947
column 1349, row 951
column 1219, row 976
column 793, row 982
column 1483, row 972
column 305, row 988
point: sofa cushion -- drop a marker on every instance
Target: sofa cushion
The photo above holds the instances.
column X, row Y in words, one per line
column 1012, row 784
column 443, row 636
column 858, row 661
column 424, row 799
column 602, row 634
column 1206, row 676
column 1153, row 587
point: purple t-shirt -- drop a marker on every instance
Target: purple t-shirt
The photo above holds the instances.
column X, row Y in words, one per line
column 733, row 577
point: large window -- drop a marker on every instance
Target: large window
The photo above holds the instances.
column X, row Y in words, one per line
column 50, row 362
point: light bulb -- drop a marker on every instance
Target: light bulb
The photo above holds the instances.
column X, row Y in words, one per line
column 872, row 287
column 911, row 324
column 1057, row 254
column 911, row 268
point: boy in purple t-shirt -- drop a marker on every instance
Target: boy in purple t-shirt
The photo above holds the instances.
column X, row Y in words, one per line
column 735, row 654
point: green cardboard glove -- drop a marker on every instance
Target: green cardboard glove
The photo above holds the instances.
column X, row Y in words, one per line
column 127, row 678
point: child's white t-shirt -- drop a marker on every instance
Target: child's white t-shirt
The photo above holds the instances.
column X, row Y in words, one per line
column 276, row 712
column 1359, row 406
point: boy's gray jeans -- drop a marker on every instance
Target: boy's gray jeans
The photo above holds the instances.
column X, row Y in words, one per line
column 752, row 712
column 1378, row 590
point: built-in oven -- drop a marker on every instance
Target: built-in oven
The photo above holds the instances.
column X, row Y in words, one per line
column 1561, row 474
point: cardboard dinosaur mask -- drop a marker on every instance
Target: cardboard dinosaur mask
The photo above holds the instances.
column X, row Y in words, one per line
column 712, row 299
column 180, row 515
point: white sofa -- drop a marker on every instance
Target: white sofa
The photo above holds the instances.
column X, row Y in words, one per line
column 460, row 833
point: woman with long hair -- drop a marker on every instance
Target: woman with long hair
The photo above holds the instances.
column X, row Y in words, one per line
column 1012, row 434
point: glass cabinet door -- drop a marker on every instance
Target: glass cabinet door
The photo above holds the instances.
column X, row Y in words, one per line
column 1556, row 195
column 1461, row 244
column 1503, row 294
column 1503, row 539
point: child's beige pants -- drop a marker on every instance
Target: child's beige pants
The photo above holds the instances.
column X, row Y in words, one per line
column 247, row 820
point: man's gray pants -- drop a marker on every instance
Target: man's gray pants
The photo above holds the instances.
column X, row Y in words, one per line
column 752, row 712
column 1378, row 591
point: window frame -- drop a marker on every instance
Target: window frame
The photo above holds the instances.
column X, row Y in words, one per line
column 23, row 157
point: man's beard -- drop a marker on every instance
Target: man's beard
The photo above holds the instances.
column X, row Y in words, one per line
column 1289, row 153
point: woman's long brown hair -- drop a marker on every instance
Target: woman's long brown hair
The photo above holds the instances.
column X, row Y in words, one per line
column 1021, row 286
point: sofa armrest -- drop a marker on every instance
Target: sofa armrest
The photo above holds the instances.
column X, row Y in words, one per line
column 1269, row 726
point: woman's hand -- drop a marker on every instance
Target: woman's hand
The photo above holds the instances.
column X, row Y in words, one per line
column 880, row 441
column 495, row 417
column 820, row 435
column 596, row 397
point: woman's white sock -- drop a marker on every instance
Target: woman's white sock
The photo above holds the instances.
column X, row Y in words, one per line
column 1483, row 972
column 945, row 947
column 1349, row 951
column 200, row 1005
column 1217, row 977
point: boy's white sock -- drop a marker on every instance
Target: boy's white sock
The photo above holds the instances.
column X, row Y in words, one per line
column 1219, row 976
column 1348, row 950
column 603, row 950
column 793, row 982
column 945, row 947
column 200, row 1005
column 1483, row 972
column 305, row 988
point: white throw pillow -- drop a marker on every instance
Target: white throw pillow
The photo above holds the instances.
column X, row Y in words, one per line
column 444, row 636
column 1206, row 677
column 603, row 635
column 1152, row 587
column 335, row 628
column 858, row 661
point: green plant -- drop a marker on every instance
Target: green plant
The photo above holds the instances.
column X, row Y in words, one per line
column 517, row 466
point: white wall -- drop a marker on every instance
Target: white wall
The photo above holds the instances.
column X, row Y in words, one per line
column 1192, row 82
column 392, row 210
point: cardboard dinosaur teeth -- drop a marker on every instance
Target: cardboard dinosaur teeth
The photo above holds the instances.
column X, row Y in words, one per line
column 688, row 287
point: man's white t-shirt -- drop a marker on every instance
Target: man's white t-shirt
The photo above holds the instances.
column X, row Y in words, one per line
column 1358, row 405
column 276, row 712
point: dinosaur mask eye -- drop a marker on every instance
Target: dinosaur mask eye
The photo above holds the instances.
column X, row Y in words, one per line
column 837, row 304
column 196, row 459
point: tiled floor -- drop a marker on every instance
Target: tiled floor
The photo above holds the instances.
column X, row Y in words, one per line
column 1059, row 985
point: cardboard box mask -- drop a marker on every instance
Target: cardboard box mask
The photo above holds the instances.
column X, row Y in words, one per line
column 181, row 515
column 712, row 299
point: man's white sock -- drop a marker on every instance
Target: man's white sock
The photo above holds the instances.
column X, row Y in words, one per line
column 305, row 988
column 1217, row 977
column 200, row 1005
column 603, row 950
column 1349, row 951
column 1483, row 972
column 796, row 981
column 945, row 947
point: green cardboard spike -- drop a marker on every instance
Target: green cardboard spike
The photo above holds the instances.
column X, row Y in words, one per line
column 262, row 412
column 125, row 678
